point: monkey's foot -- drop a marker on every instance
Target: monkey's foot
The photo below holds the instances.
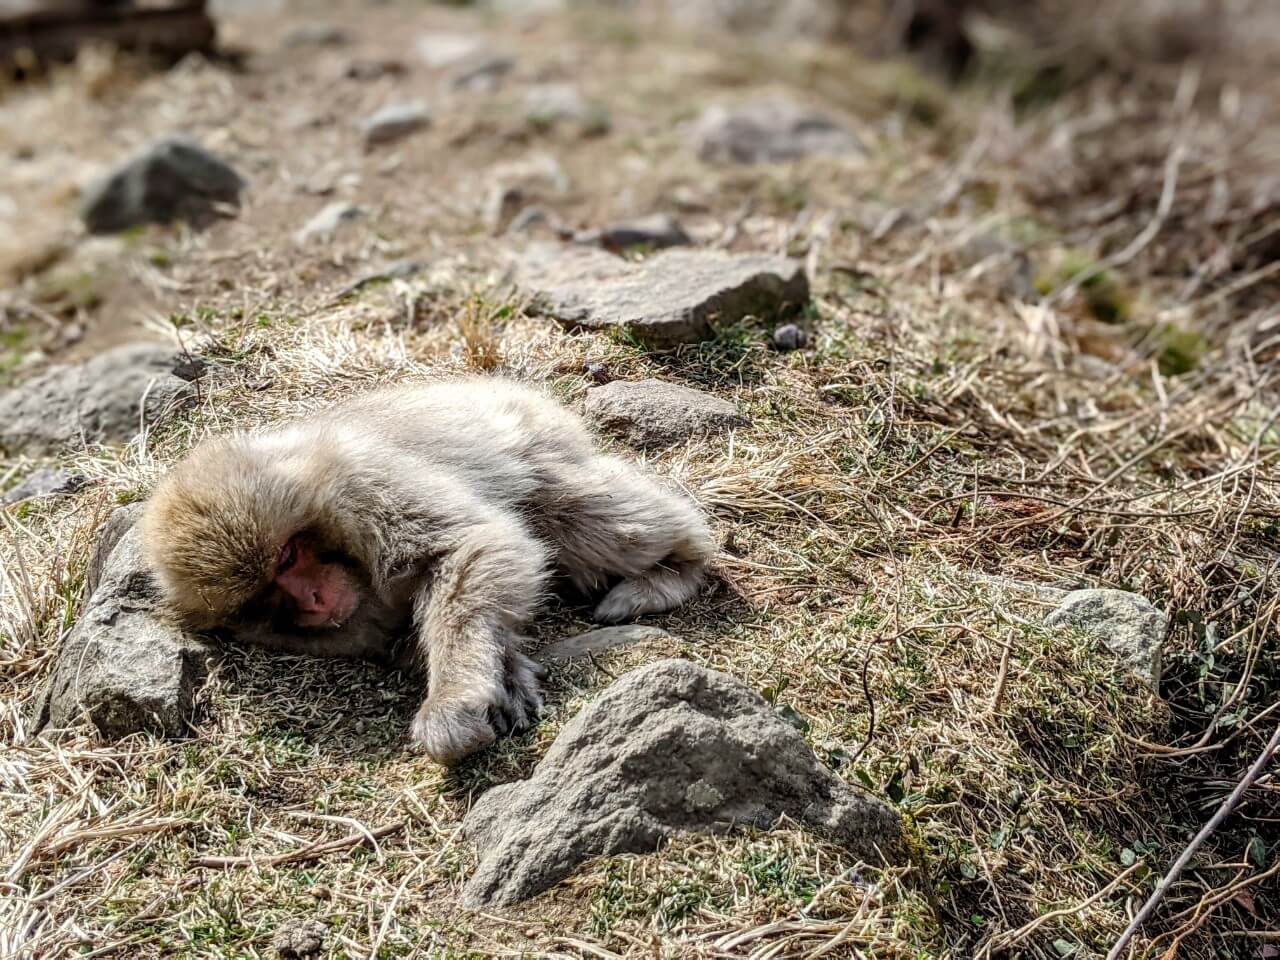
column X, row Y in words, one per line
column 450, row 728
column 655, row 591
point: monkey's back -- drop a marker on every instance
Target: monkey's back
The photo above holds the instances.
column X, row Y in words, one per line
column 497, row 436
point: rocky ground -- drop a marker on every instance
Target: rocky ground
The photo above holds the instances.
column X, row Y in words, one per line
column 978, row 384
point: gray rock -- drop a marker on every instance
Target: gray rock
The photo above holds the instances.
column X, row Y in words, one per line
column 483, row 72
column 394, row 122
column 99, row 401
column 46, row 482
column 667, row 749
column 316, row 34
column 655, row 231
column 789, row 337
column 299, row 938
column 769, row 130
column 1126, row 623
column 123, row 666
column 173, row 179
column 598, row 641
column 325, row 223
column 652, row 413
column 548, row 104
column 120, row 522
column 676, row 296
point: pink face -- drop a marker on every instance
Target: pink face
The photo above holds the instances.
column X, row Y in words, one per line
column 324, row 594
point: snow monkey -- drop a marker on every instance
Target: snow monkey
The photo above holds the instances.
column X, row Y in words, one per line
column 437, row 512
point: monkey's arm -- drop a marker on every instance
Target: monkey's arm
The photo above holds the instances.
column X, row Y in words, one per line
column 468, row 616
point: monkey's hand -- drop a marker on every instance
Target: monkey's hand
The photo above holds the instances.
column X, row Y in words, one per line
column 452, row 725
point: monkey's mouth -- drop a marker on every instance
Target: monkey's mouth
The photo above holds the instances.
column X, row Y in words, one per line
column 330, row 619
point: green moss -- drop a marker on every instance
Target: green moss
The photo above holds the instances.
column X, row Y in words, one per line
column 1179, row 351
column 1102, row 291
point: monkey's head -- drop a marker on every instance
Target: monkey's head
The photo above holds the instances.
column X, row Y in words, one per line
column 234, row 532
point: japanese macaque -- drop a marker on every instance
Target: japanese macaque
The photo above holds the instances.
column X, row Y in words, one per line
column 438, row 513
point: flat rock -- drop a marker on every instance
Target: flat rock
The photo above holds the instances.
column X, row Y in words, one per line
column 653, row 413
column 600, row 640
column 327, row 222
column 99, row 401
column 45, row 482
column 669, row 748
column 173, row 179
column 675, row 296
column 769, row 130
column 656, row 231
column 123, row 666
column 1127, row 623
column 394, row 122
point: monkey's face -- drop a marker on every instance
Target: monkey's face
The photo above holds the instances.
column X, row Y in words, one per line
column 314, row 588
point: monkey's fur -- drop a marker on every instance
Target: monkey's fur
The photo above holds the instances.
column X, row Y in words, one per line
column 447, row 506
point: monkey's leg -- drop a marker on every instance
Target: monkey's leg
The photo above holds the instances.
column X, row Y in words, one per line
column 617, row 521
column 468, row 618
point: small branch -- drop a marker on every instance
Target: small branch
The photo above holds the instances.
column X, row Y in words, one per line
column 312, row 851
column 1148, row 908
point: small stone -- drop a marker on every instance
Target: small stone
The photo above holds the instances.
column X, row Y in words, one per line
column 600, row 640
column 316, row 35
column 44, row 483
column 1127, row 623
column 325, row 223
column 656, row 232
column 173, row 179
column 548, row 104
column 394, row 122
column 597, row 372
column 482, row 73
column 667, row 749
column 767, row 131
column 652, row 413
column 366, row 70
column 438, row 50
column 99, row 401
column 126, row 667
column 299, row 938
column 790, row 337
column 675, row 296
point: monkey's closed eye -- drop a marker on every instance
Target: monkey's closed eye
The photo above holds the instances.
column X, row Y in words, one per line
column 288, row 556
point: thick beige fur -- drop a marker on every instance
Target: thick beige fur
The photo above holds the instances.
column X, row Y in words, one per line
column 453, row 503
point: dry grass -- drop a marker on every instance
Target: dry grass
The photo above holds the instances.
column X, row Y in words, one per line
column 910, row 496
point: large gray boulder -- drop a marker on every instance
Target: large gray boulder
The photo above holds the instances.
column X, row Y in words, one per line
column 651, row 414
column 173, row 179
column 676, row 296
column 670, row 748
column 99, row 401
column 123, row 666
column 769, row 130
column 1126, row 623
